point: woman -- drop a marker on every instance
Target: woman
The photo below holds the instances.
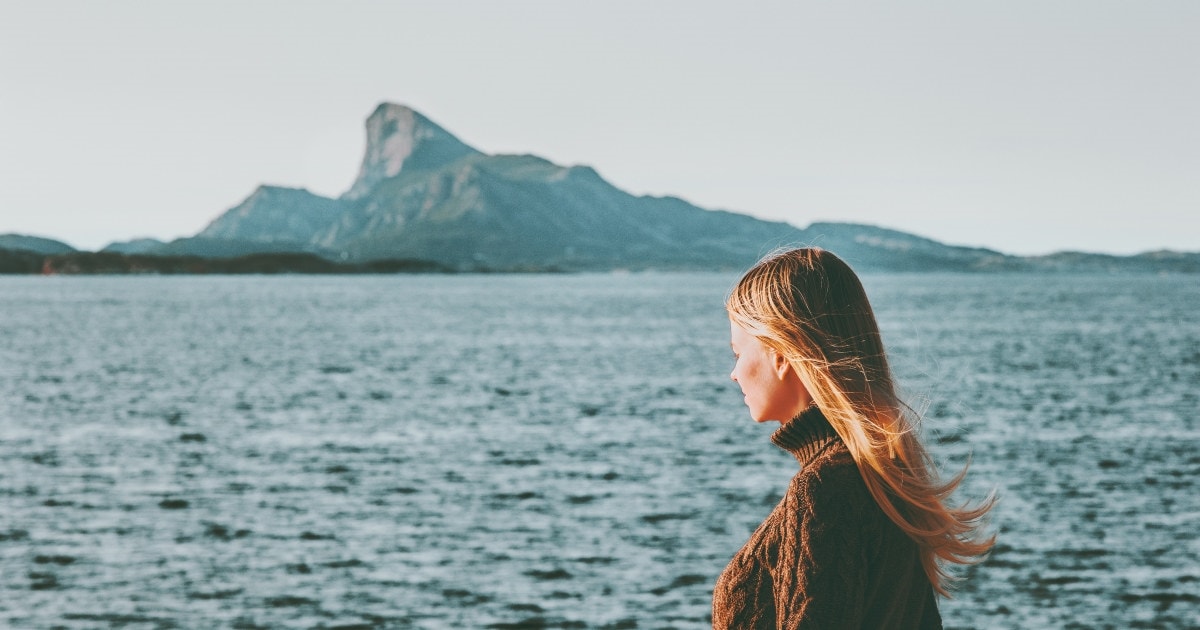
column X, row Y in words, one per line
column 861, row 537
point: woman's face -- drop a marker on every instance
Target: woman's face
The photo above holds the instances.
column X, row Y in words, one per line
column 772, row 388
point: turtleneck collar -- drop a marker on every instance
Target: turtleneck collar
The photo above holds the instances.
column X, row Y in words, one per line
column 806, row 435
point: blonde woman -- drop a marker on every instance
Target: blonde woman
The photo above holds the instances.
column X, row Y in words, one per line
column 864, row 532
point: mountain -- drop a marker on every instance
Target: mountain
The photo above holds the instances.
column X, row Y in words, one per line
column 273, row 214
column 134, row 246
column 400, row 138
column 35, row 244
column 421, row 193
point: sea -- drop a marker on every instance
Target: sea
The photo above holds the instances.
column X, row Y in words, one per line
column 556, row 450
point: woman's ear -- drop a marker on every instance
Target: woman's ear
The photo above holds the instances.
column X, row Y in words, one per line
column 781, row 365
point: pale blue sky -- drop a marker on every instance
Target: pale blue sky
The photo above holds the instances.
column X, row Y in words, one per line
column 1027, row 126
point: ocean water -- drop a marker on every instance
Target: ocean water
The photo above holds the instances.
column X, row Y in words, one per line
column 554, row 451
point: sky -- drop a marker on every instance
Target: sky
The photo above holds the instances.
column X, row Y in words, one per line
column 1025, row 126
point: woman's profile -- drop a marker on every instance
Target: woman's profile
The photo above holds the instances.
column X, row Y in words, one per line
column 864, row 532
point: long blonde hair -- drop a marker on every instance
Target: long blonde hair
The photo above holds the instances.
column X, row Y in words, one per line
column 808, row 305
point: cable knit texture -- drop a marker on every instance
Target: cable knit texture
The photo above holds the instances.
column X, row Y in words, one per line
column 826, row 557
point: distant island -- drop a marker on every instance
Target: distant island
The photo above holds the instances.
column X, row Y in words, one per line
column 112, row 263
column 424, row 201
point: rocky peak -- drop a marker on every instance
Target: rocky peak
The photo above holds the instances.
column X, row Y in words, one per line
column 399, row 137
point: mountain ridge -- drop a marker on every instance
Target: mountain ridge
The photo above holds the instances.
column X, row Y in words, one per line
column 423, row 194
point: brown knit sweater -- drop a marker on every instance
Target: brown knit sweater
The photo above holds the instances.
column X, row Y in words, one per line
column 826, row 557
